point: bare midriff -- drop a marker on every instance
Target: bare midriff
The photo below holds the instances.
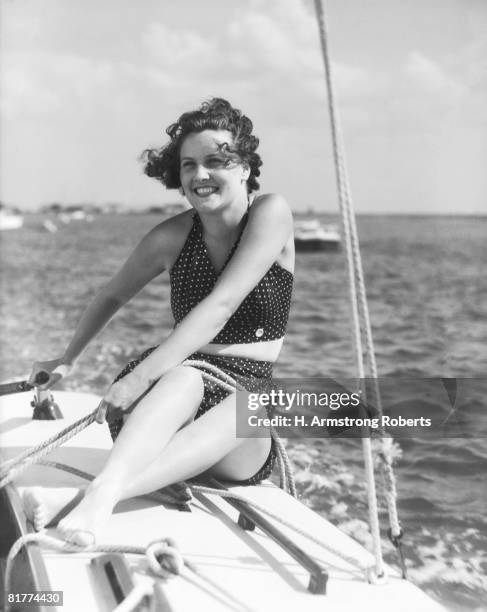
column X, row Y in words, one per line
column 260, row 351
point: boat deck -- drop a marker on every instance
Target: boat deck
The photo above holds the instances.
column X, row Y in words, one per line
column 236, row 569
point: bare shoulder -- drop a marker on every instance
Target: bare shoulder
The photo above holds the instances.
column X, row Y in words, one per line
column 271, row 208
column 272, row 203
column 166, row 239
column 271, row 219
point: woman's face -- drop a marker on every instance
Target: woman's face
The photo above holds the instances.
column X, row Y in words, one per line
column 210, row 177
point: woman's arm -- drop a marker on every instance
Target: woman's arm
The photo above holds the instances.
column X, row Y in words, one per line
column 267, row 232
column 149, row 258
column 144, row 263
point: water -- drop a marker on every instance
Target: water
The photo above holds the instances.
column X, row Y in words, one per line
column 427, row 295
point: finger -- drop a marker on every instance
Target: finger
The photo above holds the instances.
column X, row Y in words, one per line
column 40, row 379
column 38, row 376
column 46, row 380
column 62, row 370
column 101, row 412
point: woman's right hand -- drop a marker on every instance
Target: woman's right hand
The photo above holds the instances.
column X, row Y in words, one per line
column 45, row 374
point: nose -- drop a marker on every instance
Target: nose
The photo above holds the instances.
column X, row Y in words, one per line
column 201, row 172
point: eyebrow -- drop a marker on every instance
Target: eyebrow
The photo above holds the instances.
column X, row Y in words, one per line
column 215, row 154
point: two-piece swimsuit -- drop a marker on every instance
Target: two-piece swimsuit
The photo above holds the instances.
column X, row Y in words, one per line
column 261, row 316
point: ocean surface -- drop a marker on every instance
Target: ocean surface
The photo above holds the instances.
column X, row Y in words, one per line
column 427, row 292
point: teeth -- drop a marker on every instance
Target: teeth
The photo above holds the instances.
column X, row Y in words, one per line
column 205, row 190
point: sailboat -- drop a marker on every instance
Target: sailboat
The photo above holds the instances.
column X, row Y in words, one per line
column 10, row 220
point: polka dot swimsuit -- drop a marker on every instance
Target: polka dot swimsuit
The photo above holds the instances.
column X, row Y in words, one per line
column 261, row 316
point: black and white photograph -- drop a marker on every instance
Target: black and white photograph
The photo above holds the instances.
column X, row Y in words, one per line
column 243, row 305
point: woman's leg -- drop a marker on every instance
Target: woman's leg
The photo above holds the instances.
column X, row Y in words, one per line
column 208, row 442
column 171, row 403
column 141, row 462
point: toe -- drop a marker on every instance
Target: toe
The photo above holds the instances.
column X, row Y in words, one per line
column 80, row 537
column 84, row 538
column 39, row 519
column 33, row 506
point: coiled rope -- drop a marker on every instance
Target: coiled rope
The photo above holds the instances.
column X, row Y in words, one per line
column 360, row 314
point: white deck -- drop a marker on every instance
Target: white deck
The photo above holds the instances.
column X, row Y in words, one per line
column 237, row 570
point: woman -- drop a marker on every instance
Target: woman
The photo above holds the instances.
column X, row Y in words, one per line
column 231, row 272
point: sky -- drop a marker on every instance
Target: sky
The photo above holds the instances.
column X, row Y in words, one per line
column 87, row 85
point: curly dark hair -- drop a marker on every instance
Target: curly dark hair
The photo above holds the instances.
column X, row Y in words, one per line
column 215, row 114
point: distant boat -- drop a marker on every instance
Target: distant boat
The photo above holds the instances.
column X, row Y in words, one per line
column 78, row 215
column 75, row 215
column 10, row 220
column 311, row 236
column 50, row 226
column 64, row 217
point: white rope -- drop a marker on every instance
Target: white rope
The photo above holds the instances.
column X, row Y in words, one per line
column 233, row 384
column 13, row 467
column 356, row 287
column 386, row 442
column 172, row 562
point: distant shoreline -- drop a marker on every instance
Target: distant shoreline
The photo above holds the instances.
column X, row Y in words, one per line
column 174, row 208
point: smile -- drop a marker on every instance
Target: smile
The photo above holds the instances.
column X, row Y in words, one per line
column 205, row 191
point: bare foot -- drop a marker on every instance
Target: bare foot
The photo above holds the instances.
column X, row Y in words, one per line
column 44, row 506
column 86, row 521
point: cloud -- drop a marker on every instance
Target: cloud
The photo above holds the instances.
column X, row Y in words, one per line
column 40, row 83
column 76, row 79
column 268, row 53
column 268, row 47
column 431, row 78
column 177, row 49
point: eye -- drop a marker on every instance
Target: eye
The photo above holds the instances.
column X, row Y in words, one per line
column 187, row 164
column 216, row 162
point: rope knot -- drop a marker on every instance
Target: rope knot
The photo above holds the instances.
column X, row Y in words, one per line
column 395, row 538
column 164, row 558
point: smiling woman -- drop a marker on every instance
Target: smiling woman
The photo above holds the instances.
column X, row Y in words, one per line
column 218, row 115
column 230, row 263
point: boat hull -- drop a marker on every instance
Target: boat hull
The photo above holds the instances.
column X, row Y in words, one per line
column 10, row 222
column 29, row 572
column 312, row 245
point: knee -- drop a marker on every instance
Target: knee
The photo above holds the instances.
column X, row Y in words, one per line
column 185, row 377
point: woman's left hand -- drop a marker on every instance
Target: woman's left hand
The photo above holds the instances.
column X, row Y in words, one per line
column 122, row 395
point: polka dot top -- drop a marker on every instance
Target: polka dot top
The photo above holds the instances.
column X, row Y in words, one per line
column 261, row 316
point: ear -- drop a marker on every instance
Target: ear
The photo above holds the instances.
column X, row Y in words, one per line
column 245, row 173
